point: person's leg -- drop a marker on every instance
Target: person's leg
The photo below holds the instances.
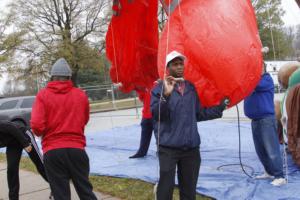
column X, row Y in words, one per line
column 146, row 134
column 259, row 144
column 188, row 172
column 13, row 156
column 35, row 156
column 272, row 147
column 58, row 174
column 80, row 173
column 167, row 165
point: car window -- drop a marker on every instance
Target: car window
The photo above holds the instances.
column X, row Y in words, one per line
column 27, row 103
column 8, row 105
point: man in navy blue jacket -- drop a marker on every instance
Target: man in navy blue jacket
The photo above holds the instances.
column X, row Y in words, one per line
column 259, row 107
column 176, row 110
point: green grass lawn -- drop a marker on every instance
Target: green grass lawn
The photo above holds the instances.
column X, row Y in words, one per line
column 124, row 188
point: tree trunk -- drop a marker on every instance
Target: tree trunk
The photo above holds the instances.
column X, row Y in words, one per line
column 74, row 78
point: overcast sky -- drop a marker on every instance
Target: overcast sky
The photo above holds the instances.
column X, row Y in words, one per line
column 3, row 3
column 292, row 16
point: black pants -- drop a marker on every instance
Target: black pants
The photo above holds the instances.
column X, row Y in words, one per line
column 146, row 134
column 188, row 165
column 63, row 165
column 13, row 156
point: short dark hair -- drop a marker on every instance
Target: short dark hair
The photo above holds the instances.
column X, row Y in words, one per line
column 60, row 78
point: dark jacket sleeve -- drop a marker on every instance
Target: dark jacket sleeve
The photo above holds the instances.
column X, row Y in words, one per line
column 203, row 114
column 16, row 132
column 159, row 105
column 20, row 136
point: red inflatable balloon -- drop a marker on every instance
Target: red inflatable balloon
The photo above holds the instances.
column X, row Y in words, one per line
column 132, row 44
column 221, row 42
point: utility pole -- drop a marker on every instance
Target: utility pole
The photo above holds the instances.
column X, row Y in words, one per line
column 271, row 30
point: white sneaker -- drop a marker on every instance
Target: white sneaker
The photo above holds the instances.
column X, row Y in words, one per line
column 278, row 181
column 265, row 175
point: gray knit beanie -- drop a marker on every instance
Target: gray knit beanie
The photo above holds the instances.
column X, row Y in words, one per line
column 61, row 68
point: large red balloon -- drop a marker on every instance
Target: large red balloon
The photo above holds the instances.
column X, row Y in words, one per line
column 221, row 42
column 132, row 44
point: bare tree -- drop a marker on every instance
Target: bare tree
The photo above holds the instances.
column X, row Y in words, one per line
column 297, row 41
column 9, row 41
column 62, row 28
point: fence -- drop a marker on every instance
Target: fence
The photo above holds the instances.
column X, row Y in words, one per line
column 109, row 97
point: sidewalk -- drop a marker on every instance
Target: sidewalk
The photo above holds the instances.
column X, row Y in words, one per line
column 33, row 187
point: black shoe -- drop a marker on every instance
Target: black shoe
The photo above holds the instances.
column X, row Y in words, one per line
column 138, row 155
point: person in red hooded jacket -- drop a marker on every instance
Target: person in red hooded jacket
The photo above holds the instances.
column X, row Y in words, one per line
column 59, row 116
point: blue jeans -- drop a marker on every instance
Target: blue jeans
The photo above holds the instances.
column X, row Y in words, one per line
column 267, row 145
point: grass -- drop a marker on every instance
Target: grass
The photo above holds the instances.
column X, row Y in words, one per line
column 129, row 189
column 2, row 157
column 119, row 104
column 123, row 188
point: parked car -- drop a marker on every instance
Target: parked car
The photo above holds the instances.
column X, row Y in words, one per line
column 17, row 109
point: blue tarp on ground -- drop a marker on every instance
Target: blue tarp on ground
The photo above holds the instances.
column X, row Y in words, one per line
column 109, row 152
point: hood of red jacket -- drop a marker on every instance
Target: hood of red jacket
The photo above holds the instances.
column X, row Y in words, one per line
column 60, row 86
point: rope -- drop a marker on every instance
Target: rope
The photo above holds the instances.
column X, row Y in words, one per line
column 284, row 136
column 112, row 88
column 159, row 105
column 179, row 8
column 240, row 152
column 285, row 162
column 114, row 48
column 114, row 136
column 271, row 30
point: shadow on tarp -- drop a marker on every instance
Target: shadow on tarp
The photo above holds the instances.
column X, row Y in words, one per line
column 109, row 152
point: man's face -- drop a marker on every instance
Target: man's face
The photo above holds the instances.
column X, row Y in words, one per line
column 176, row 67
